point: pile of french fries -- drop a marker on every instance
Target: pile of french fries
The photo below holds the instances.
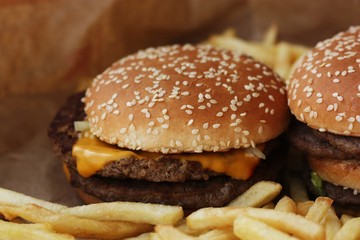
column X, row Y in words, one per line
column 253, row 215
column 280, row 56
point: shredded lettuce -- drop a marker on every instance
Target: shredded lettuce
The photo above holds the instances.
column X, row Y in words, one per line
column 317, row 183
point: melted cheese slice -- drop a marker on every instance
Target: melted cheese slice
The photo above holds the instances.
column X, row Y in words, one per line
column 93, row 155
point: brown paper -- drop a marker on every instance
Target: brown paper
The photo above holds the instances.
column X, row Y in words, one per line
column 47, row 47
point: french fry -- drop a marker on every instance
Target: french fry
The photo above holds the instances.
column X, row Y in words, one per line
column 270, row 36
column 344, row 218
column 257, row 195
column 128, row 211
column 287, row 222
column 247, row 228
column 167, row 232
column 183, row 227
column 9, row 197
column 218, row 234
column 154, row 236
column 269, row 205
column 350, row 230
column 16, row 231
column 78, row 227
column 332, row 224
column 303, row 207
column 286, row 204
column 210, row 218
column 283, row 59
column 144, row 236
column 319, row 209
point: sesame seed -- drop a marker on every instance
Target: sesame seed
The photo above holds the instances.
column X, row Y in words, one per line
column 246, row 133
column 302, row 117
column 233, row 107
column 195, row 131
column 216, row 125
column 338, row 118
column 114, row 96
column 237, row 129
column 319, row 100
column 313, row 114
column 131, row 117
column 299, row 102
column 165, row 126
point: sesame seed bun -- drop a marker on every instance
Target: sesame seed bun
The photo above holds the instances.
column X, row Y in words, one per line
column 324, row 90
column 186, row 99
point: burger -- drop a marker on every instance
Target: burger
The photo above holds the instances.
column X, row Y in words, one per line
column 183, row 125
column 324, row 96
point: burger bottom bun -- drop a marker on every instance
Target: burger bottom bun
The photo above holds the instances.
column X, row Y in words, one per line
column 215, row 192
column 345, row 173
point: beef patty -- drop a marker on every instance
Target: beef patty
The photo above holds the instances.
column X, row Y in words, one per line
column 167, row 180
column 215, row 192
column 323, row 144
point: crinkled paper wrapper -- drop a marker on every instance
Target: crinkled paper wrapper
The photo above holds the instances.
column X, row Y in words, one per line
column 47, row 48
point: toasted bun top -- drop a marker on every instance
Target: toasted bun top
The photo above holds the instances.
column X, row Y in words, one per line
column 324, row 90
column 186, row 99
